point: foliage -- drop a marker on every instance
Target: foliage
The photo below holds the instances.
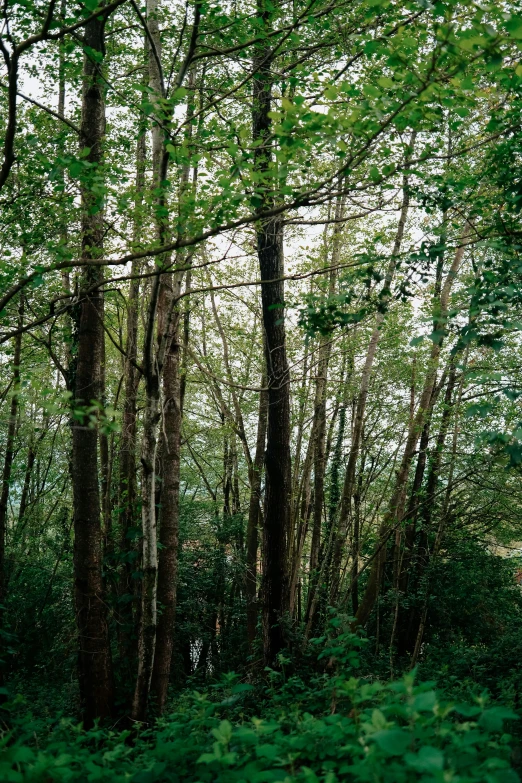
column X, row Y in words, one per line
column 388, row 167
column 358, row 730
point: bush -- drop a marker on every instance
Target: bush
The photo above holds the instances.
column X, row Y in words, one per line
column 319, row 723
column 394, row 733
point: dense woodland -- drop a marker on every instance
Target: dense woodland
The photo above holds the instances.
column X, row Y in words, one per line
column 260, row 425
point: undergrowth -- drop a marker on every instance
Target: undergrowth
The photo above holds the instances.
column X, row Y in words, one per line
column 328, row 726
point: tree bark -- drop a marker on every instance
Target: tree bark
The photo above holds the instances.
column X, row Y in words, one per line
column 95, row 667
column 31, row 456
column 127, row 489
column 6, row 477
column 349, row 481
column 169, row 331
column 396, row 508
column 152, row 366
column 148, row 619
column 319, row 420
column 269, row 233
column 254, row 515
column 169, row 514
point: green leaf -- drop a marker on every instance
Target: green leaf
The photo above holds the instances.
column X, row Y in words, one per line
column 242, row 687
column 437, row 336
column 425, row 702
column 394, row 742
column 492, row 719
column 428, row 759
column 481, row 409
column 468, row 710
column 224, row 733
column 267, row 751
column 514, row 27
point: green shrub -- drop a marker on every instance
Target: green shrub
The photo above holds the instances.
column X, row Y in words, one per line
column 370, row 732
column 317, row 722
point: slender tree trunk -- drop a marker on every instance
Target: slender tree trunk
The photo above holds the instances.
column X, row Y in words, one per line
column 396, row 508
column 418, row 564
column 402, row 563
column 436, row 459
column 161, row 364
column 6, row 476
column 169, row 514
column 31, row 456
column 356, row 533
column 185, row 343
column 319, row 598
column 254, row 514
column 300, row 518
column 148, row 618
column 300, row 468
column 319, row 421
column 442, row 524
column 319, row 430
column 95, row 668
column 104, row 459
column 360, row 409
column 127, row 487
column 153, row 358
column 152, row 371
column 277, row 460
column 168, row 330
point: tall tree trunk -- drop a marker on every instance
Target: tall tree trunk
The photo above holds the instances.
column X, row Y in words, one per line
column 152, row 365
column 95, row 668
column 6, row 477
column 396, row 508
column 148, row 618
column 418, row 564
column 300, row 468
column 31, row 456
column 319, row 598
column 319, row 420
column 161, row 364
column 104, row 459
column 127, row 489
column 254, row 515
column 271, row 263
column 423, row 613
column 169, row 330
column 169, row 514
column 360, row 409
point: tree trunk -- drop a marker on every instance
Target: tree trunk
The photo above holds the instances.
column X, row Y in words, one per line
column 413, row 621
column 396, row 508
column 254, row 514
column 127, row 491
column 169, row 331
column 277, row 460
column 162, row 362
column 153, row 357
column 148, row 619
column 349, row 481
column 169, row 514
column 95, row 667
column 6, row 477
column 31, row 456
column 319, row 429
column 319, row 420
column 103, row 443
column 444, row 513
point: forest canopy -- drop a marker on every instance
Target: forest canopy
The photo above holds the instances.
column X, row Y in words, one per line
column 260, row 425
